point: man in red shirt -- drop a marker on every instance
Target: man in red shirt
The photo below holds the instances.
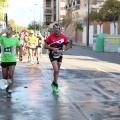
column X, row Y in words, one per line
column 54, row 43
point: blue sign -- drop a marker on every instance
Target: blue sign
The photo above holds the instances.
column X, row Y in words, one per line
column 82, row 22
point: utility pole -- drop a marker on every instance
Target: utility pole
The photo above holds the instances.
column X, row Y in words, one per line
column 88, row 23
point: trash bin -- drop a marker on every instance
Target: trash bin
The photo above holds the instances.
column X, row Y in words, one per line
column 100, row 42
column 94, row 41
column 112, row 43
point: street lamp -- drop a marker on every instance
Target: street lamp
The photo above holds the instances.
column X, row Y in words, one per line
column 88, row 24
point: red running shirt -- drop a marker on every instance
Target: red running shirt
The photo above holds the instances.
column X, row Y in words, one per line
column 57, row 41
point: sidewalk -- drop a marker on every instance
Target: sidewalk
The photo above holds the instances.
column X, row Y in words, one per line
column 87, row 51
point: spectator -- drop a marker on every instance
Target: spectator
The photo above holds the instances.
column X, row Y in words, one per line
column 70, row 40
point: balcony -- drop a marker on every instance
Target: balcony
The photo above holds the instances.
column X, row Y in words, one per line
column 75, row 3
column 48, row 12
column 48, row 22
column 67, row 6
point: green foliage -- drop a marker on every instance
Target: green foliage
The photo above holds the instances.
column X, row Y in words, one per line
column 34, row 25
column 108, row 12
column 110, row 9
column 3, row 4
column 65, row 21
column 77, row 25
column 44, row 26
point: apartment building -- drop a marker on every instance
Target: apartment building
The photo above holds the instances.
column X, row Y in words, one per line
column 76, row 9
column 53, row 11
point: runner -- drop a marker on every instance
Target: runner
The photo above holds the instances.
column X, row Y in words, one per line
column 54, row 43
column 31, row 43
column 8, row 57
column 39, row 48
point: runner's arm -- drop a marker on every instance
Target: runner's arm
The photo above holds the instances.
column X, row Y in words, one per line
column 21, row 51
column 46, row 46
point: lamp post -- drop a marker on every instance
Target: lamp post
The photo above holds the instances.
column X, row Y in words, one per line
column 88, row 24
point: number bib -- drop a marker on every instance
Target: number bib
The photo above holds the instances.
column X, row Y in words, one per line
column 55, row 55
column 7, row 50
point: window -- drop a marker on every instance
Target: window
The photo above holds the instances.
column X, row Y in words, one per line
column 48, row 3
column 48, row 18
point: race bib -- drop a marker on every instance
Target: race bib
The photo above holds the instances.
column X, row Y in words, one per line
column 55, row 55
column 7, row 50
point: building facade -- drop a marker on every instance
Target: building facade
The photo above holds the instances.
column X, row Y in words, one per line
column 53, row 11
column 78, row 9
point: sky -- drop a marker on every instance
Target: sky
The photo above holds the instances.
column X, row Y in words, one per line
column 25, row 11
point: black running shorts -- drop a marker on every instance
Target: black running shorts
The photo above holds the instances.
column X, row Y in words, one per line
column 7, row 64
column 52, row 58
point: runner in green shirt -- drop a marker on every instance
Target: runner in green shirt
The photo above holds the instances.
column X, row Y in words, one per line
column 8, row 56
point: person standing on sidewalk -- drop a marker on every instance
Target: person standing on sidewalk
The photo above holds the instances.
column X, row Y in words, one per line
column 54, row 43
column 8, row 56
column 70, row 40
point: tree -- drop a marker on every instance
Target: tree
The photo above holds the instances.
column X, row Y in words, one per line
column 77, row 26
column 3, row 4
column 34, row 26
column 65, row 22
column 98, row 16
column 12, row 23
column 110, row 10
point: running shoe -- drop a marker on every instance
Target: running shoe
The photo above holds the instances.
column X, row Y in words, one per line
column 55, row 87
column 9, row 95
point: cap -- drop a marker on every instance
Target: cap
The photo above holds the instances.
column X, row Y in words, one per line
column 56, row 26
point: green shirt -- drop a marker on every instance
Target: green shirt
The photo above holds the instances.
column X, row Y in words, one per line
column 8, row 48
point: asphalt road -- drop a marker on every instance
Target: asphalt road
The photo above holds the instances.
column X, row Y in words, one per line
column 89, row 88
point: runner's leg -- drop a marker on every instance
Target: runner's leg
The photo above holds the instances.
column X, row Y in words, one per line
column 56, row 68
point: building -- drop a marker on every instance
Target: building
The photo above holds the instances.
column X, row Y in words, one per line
column 76, row 9
column 53, row 11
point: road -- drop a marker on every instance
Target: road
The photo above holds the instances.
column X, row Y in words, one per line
column 89, row 89
column 92, row 85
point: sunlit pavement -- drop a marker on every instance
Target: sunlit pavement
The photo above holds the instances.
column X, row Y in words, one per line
column 84, row 94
